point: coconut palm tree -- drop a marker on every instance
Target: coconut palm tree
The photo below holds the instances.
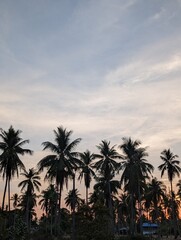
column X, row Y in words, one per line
column 136, row 170
column 73, row 199
column 154, row 195
column 171, row 165
column 123, row 209
column 10, row 162
column 107, row 166
column 48, row 199
column 60, row 164
column 86, row 170
column 30, row 184
column 27, row 204
column 16, row 200
column 107, row 187
column 48, row 203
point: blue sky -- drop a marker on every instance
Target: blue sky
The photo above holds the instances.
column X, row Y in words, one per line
column 104, row 69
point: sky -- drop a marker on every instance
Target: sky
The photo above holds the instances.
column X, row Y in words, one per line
column 104, row 69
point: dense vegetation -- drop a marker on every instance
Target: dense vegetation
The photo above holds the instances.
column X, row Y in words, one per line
column 125, row 193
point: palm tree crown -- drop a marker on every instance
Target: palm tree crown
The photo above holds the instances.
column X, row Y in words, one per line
column 31, row 182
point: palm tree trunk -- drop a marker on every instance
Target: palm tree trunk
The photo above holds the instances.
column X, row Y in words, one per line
column 174, row 219
column 51, row 223
column 9, row 195
column 59, row 209
column 4, row 195
column 111, row 210
column 140, row 210
column 86, row 195
column 27, row 214
column 132, row 216
column 73, row 211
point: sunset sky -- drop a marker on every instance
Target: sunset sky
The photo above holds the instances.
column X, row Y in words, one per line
column 104, row 69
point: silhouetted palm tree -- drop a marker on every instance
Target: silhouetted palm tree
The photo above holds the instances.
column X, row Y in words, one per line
column 107, row 167
column 10, row 163
column 154, row 195
column 171, row 165
column 107, row 188
column 48, row 199
column 86, row 170
column 16, row 200
column 73, row 199
column 123, row 209
column 136, row 170
column 27, row 204
column 48, row 203
column 60, row 164
column 30, row 184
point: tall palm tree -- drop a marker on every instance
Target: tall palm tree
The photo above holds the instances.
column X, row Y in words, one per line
column 107, row 166
column 171, row 165
column 59, row 165
column 62, row 163
column 86, row 170
column 136, row 170
column 30, row 184
column 10, row 162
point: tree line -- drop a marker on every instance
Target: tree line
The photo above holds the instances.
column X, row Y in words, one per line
column 125, row 193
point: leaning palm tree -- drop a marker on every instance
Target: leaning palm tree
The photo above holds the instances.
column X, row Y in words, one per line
column 30, row 184
column 86, row 170
column 171, row 165
column 10, row 162
column 136, row 170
